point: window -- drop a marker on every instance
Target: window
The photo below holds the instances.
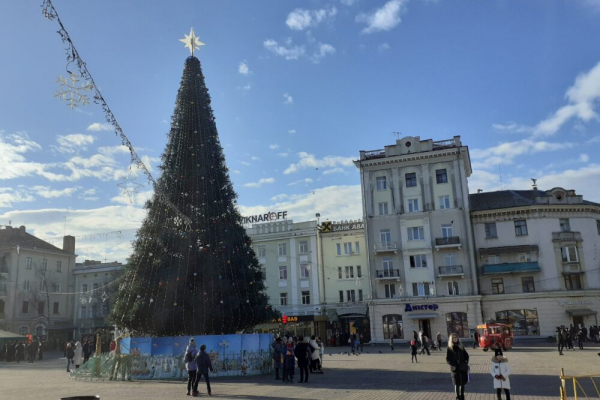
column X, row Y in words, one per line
column 84, row 287
column 41, row 307
column 490, row 231
column 25, row 309
column 386, row 238
column 390, row 291
column 528, row 285
column 358, row 271
column 444, row 202
column 59, row 266
column 26, row 285
column 304, row 271
column 350, row 294
column 449, row 259
column 521, row 227
column 381, row 183
column 493, row 259
column 23, row 330
column 303, row 247
column 453, row 288
column 383, row 208
column 96, row 286
column 447, row 230
column 421, row 289
column 341, row 296
column 42, row 286
column 388, row 268
column 524, row 257
column 413, row 205
column 262, row 251
column 360, row 295
column 56, row 287
column 392, row 327
column 416, row 233
column 306, row 297
column 357, row 247
column 95, row 311
column 347, row 248
column 456, row 322
column 44, row 265
column 564, row 224
column 282, row 249
column 282, row 273
column 283, row 299
column 339, row 249
column 263, row 274
column 2, row 308
column 524, row 322
column 411, row 179
column 569, row 254
column 349, row 272
column 83, row 312
column 498, row 286
column 339, row 272
column 573, row 282
column 418, row 261
column 28, row 263
column 56, row 307
column 441, row 176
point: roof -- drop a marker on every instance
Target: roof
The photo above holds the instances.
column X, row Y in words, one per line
column 509, row 198
column 11, row 237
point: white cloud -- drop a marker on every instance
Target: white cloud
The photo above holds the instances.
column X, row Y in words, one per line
column 288, row 99
column 245, row 88
column 511, row 127
column 260, row 182
column 236, row 171
column 138, row 198
column 595, row 139
column 584, row 158
column 348, row 2
column 98, row 127
column 90, row 192
column 323, row 50
column 68, row 144
column 8, row 196
column 292, row 131
column 49, row 193
column 273, row 146
column 333, row 171
column 289, row 53
column 310, row 161
column 300, row 19
column 247, row 164
column 383, row 19
column 254, row 158
column 279, row 197
column 243, row 68
column 305, row 181
column 504, row 153
column 581, row 98
column 383, row 47
column 283, row 154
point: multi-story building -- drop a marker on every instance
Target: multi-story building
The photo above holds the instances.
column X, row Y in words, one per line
column 346, row 283
column 95, row 287
column 287, row 252
column 538, row 256
column 36, row 279
column 418, row 233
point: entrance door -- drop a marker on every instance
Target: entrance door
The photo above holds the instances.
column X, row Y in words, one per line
column 425, row 327
column 577, row 322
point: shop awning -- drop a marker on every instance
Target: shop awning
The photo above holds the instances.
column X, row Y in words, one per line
column 422, row 316
column 581, row 312
column 354, row 310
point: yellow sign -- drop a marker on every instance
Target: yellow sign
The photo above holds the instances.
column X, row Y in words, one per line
column 326, row 227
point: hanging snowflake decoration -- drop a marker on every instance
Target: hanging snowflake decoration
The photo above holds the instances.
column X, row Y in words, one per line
column 177, row 221
column 104, row 297
column 72, row 91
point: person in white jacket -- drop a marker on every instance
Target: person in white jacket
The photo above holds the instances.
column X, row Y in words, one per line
column 78, row 358
column 315, row 354
column 500, row 371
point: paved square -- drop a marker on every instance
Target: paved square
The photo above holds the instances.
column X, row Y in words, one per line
column 535, row 371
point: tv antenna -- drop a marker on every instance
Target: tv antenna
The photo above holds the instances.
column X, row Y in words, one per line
column 397, row 135
column 534, row 180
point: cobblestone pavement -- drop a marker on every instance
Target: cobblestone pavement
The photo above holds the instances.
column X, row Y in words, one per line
column 371, row 375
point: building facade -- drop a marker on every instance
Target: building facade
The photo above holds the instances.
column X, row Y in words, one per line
column 288, row 255
column 36, row 279
column 95, row 288
column 419, row 239
column 346, row 279
column 538, row 258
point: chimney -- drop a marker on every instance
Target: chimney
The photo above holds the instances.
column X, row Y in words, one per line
column 69, row 244
column 22, row 229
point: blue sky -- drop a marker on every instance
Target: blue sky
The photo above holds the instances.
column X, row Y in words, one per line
column 298, row 89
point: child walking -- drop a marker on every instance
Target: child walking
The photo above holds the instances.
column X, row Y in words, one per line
column 413, row 351
column 289, row 362
column 500, row 370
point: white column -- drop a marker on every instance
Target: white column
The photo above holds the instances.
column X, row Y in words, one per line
column 314, row 273
column 294, row 273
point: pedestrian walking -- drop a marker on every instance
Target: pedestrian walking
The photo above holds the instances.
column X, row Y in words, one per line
column 40, row 351
column 580, row 338
column 69, row 351
column 19, row 352
column 203, row 365
column 458, row 359
column 425, row 345
column 361, row 341
column 289, row 363
column 352, row 344
column 278, row 353
column 560, row 340
column 31, row 351
column 321, row 353
column 475, row 338
column 392, row 343
column 438, row 339
column 413, row 351
column 303, row 354
column 314, row 356
column 78, row 358
column 189, row 358
column 87, row 351
column 568, row 340
column 500, row 370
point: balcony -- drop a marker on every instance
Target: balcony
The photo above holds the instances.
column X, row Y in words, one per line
column 450, row 242
column 388, row 274
column 450, row 270
column 566, row 236
column 385, row 247
column 510, row 268
column 571, row 269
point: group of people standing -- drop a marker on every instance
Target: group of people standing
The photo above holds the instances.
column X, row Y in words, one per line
column 307, row 354
column 197, row 365
column 566, row 336
column 17, row 350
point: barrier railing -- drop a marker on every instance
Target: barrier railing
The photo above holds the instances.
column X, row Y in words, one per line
column 578, row 390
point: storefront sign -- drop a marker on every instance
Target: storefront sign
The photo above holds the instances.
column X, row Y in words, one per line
column 299, row 318
column 420, row 307
column 329, row 227
column 564, row 303
column 267, row 217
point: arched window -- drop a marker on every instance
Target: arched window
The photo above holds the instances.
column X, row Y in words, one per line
column 23, row 330
column 40, row 331
column 457, row 323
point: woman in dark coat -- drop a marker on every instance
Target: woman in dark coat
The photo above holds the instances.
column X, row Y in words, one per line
column 303, row 355
column 278, row 354
column 458, row 359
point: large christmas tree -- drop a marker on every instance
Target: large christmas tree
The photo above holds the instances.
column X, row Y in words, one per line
column 193, row 270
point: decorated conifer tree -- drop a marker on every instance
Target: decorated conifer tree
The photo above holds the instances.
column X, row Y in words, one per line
column 193, row 269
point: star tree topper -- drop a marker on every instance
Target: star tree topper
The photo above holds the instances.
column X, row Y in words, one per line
column 191, row 41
